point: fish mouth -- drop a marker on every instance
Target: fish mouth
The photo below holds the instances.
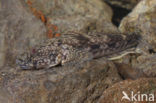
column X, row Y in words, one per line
column 23, row 65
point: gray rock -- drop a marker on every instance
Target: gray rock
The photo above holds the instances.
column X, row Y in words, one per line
column 142, row 20
column 19, row 30
column 69, row 84
column 127, row 4
column 79, row 15
column 145, row 64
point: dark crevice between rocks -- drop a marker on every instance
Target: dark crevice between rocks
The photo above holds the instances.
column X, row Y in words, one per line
column 121, row 75
column 118, row 13
column 152, row 51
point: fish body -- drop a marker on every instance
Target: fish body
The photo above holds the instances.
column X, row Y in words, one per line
column 75, row 48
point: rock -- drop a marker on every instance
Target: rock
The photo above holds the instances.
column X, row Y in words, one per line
column 120, row 9
column 126, row 71
column 135, row 66
column 80, row 15
column 146, row 64
column 127, row 4
column 71, row 84
column 141, row 86
column 142, row 18
column 19, row 30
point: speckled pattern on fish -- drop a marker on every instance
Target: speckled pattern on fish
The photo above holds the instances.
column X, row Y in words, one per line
column 76, row 48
